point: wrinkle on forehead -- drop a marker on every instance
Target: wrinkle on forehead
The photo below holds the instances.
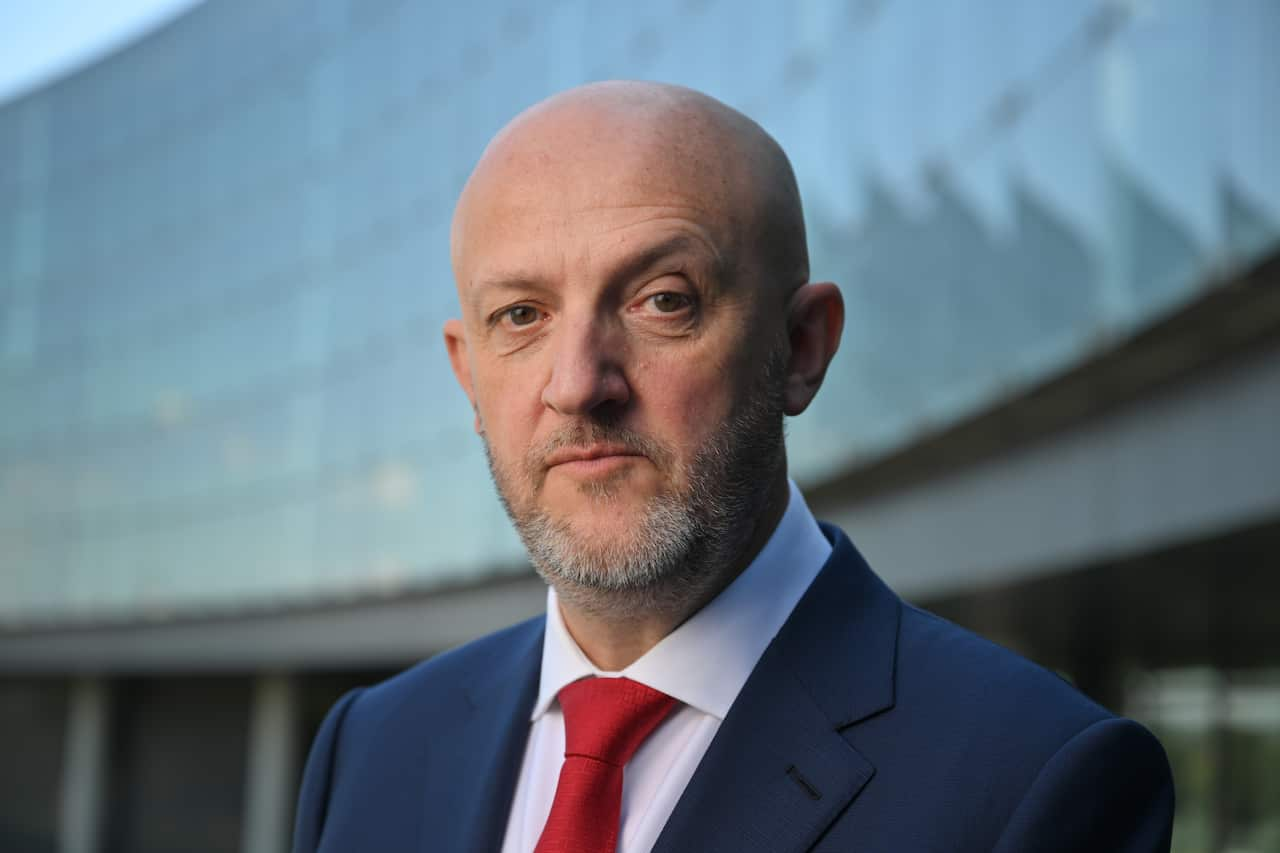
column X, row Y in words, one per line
column 688, row 247
column 628, row 145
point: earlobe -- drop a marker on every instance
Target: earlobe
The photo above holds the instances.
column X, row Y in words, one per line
column 455, row 343
column 815, row 321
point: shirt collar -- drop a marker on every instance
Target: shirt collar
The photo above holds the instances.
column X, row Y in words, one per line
column 705, row 661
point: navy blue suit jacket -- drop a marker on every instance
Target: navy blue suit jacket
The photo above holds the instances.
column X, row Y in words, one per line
column 867, row 725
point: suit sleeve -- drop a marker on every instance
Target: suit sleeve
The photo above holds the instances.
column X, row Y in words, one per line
column 313, row 797
column 1107, row 788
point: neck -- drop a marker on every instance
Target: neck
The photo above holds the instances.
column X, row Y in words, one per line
column 614, row 632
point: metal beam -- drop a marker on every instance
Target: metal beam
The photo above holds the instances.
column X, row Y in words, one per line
column 1192, row 460
column 359, row 634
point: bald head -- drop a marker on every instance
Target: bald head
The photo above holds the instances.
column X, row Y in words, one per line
column 649, row 141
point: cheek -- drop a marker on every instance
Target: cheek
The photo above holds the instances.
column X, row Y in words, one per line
column 688, row 399
column 508, row 410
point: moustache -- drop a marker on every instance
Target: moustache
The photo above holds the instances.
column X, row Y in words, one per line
column 583, row 436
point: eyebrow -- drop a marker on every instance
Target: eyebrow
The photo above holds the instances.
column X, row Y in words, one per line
column 522, row 283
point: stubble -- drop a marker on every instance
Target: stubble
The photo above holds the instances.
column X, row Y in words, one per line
column 687, row 539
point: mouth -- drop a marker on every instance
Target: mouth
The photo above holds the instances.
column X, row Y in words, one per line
column 593, row 459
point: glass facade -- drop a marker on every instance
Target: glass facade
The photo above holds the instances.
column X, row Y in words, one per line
column 224, row 267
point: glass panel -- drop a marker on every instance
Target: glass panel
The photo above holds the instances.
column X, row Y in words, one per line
column 226, row 266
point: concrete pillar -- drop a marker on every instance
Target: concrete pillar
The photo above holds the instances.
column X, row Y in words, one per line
column 271, row 776
column 84, row 766
column 1222, row 818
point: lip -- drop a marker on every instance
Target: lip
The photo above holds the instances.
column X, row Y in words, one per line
column 598, row 453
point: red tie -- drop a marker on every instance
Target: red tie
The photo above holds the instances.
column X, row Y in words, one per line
column 605, row 721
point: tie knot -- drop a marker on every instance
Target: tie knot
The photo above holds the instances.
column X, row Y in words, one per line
column 608, row 718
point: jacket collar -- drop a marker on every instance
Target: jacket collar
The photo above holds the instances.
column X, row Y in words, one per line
column 497, row 699
column 779, row 770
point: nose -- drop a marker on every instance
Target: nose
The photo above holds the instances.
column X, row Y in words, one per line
column 586, row 370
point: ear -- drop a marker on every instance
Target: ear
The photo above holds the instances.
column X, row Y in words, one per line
column 815, row 319
column 455, row 342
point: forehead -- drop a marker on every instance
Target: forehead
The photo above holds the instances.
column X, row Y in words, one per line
column 565, row 191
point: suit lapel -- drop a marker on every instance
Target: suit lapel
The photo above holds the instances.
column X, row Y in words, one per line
column 779, row 771
column 473, row 812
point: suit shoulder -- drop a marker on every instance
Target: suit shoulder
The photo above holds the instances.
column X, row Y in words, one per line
column 968, row 709
column 443, row 674
column 979, row 676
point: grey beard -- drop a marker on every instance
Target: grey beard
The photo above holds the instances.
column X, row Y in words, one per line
column 686, row 543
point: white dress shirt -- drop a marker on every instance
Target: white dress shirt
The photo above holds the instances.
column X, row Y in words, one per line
column 703, row 664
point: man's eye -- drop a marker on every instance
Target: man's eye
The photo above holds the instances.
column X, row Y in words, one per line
column 667, row 302
column 521, row 315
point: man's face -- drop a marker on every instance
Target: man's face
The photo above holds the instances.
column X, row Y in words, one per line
column 624, row 377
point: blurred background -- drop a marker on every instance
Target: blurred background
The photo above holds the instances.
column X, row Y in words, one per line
column 236, row 477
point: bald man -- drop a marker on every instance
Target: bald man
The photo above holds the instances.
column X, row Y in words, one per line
column 715, row 671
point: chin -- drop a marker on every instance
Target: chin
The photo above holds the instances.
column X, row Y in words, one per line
column 610, row 524
column 618, row 543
